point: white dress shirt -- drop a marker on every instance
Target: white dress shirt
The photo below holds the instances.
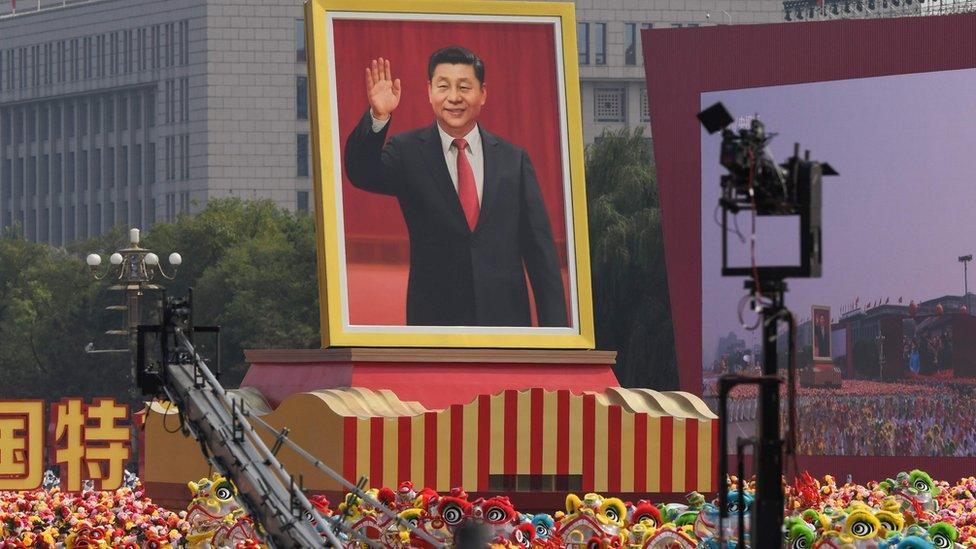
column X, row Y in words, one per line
column 475, row 152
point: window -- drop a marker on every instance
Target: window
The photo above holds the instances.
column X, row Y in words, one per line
column 83, row 117
column 110, row 215
column 31, row 125
column 44, row 175
column 100, row 55
column 69, row 120
column 48, row 63
column 127, row 51
column 56, row 171
column 113, row 46
column 69, row 182
column 600, row 43
column 124, row 165
column 75, row 59
column 170, row 43
column 185, row 156
column 32, row 177
column 82, row 169
column 300, row 40
column 35, row 65
column 645, row 109
column 170, row 101
column 89, row 56
column 56, row 118
column 185, row 43
column 137, row 164
column 150, row 110
column 136, row 111
column 8, row 179
column 69, row 225
column 45, row 121
column 110, row 167
column 43, row 235
column 151, row 164
column 83, row 222
column 123, row 113
column 97, row 115
column 7, row 123
column 10, row 69
column 56, row 236
column 609, row 105
column 143, row 45
column 302, row 201
column 185, row 202
column 630, row 44
column 170, row 158
column 19, row 178
column 97, row 219
column 97, row 168
column 583, row 42
column 22, row 53
column 109, row 115
column 19, row 126
column 301, row 97
column 156, row 46
column 302, row 159
column 184, row 99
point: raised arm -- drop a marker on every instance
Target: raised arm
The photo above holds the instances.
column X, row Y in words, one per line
column 369, row 165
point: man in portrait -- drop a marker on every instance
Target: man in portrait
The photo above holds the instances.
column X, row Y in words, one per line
column 821, row 334
column 470, row 200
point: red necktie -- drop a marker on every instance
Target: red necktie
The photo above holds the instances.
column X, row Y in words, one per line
column 467, row 190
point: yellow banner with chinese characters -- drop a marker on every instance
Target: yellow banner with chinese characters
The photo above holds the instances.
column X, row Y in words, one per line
column 87, row 442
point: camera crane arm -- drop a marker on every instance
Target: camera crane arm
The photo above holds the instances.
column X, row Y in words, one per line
column 216, row 419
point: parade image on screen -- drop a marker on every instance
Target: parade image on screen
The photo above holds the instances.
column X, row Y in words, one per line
column 886, row 338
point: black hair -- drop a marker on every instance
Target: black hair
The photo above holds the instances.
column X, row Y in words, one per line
column 456, row 55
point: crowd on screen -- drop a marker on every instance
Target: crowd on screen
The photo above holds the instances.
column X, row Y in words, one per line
column 936, row 424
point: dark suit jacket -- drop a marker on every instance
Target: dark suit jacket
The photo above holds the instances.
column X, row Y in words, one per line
column 460, row 277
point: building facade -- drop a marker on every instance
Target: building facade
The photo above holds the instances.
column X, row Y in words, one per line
column 130, row 112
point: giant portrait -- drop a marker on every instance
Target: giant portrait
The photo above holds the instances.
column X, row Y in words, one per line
column 820, row 336
column 448, row 166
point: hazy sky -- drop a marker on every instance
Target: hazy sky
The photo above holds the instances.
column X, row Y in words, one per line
column 894, row 221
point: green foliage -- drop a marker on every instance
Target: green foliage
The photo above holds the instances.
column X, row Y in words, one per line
column 630, row 290
column 252, row 266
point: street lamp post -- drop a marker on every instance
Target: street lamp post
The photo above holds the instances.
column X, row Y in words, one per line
column 133, row 269
column 965, row 259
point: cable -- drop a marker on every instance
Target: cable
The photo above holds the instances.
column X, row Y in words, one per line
column 735, row 222
column 318, row 464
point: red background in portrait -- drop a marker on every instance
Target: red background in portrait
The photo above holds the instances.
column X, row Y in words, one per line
column 522, row 107
column 681, row 64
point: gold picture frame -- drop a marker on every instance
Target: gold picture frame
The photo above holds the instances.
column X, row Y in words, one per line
column 337, row 328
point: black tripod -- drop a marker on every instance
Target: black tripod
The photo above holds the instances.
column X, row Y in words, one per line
column 767, row 525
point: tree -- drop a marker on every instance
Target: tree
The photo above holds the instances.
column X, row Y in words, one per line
column 630, row 290
column 252, row 265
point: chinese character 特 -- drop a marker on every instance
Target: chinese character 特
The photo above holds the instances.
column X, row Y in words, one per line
column 91, row 442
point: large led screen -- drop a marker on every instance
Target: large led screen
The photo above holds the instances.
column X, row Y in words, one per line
column 886, row 338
